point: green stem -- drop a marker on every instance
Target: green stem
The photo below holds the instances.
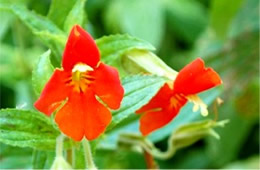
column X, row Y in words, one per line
column 88, row 155
column 59, row 146
column 73, row 157
column 133, row 139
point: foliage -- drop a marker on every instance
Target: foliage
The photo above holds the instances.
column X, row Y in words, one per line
column 225, row 34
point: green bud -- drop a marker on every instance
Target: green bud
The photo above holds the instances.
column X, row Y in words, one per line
column 184, row 136
column 60, row 164
column 136, row 61
column 192, row 132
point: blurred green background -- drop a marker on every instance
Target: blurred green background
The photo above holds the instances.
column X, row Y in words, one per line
column 225, row 33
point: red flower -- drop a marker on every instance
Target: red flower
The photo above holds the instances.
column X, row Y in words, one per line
column 165, row 105
column 79, row 88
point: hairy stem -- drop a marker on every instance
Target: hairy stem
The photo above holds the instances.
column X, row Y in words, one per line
column 59, row 146
column 88, row 155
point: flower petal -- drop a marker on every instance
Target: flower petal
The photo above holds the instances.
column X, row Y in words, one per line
column 82, row 116
column 80, row 48
column 53, row 93
column 97, row 117
column 160, row 100
column 70, row 118
column 107, row 85
column 195, row 78
column 153, row 119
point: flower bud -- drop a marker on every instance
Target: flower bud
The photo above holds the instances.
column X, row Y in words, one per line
column 60, row 164
column 142, row 61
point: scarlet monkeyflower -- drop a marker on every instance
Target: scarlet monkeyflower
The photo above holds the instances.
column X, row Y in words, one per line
column 78, row 89
column 166, row 104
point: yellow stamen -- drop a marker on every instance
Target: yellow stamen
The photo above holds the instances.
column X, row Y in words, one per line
column 219, row 101
column 198, row 104
column 175, row 101
column 80, row 77
column 82, row 68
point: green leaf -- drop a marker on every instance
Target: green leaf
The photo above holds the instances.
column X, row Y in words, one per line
column 42, row 72
column 77, row 15
column 113, row 46
column 249, row 163
column 59, row 11
column 138, row 91
column 39, row 159
column 187, row 18
column 13, row 58
column 79, row 161
column 6, row 21
column 8, row 64
column 23, row 97
column 220, row 21
column 47, row 31
column 247, row 19
column 27, row 128
column 238, row 129
column 141, row 18
column 14, row 157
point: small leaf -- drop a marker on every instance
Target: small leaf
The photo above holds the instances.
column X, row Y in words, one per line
column 39, row 159
column 113, row 46
column 138, row 91
column 42, row 72
column 77, row 15
column 143, row 19
column 221, row 21
column 15, row 157
column 246, row 20
column 27, row 128
column 187, row 18
column 47, row 31
column 59, row 11
column 6, row 21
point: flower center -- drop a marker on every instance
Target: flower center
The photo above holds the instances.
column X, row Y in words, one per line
column 81, row 78
column 176, row 100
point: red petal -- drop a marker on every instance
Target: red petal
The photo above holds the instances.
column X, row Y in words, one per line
column 97, row 117
column 83, row 115
column 153, row 120
column 70, row 118
column 107, row 85
column 80, row 48
column 53, row 93
column 160, row 100
column 195, row 78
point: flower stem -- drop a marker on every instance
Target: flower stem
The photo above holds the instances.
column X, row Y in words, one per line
column 150, row 162
column 69, row 156
column 59, row 146
column 73, row 157
column 88, row 155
